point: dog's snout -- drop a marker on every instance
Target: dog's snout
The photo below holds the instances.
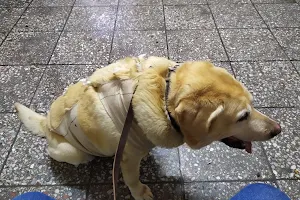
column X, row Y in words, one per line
column 276, row 130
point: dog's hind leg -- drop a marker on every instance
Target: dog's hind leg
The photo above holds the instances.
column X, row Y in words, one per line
column 61, row 150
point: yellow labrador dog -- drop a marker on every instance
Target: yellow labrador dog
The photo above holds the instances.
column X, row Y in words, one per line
column 193, row 102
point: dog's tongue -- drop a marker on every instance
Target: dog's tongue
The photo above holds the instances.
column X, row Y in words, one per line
column 248, row 147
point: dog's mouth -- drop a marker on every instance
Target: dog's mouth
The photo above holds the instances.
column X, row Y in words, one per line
column 237, row 143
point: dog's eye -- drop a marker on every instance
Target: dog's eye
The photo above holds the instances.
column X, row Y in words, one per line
column 244, row 117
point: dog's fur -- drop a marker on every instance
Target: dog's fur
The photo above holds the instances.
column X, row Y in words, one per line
column 206, row 101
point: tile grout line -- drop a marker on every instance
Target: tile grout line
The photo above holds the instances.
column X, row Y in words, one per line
column 113, row 33
column 10, row 149
column 153, row 183
column 55, row 45
column 14, row 140
column 152, row 29
column 18, row 131
column 97, row 64
column 268, row 162
column 181, row 176
column 165, row 29
column 221, row 39
column 242, row 180
column 261, row 145
column 269, row 28
column 27, row 7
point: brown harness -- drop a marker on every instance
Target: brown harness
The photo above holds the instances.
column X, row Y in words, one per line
column 126, row 129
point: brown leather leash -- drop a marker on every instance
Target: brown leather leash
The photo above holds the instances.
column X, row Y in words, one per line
column 126, row 129
column 120, row 149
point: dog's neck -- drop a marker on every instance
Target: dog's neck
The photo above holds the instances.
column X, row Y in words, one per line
column 168, row 113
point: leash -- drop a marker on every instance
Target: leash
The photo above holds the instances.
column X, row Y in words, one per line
column 126, row 129
column 121, row 146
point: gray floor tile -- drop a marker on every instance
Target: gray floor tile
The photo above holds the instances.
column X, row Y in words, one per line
column 134, row 43
column 83, row 48
column 236, row 16
column 271, row 83
column 9, row 126
column 40, row 3
column 55, row 80
column 8, row 17
column 14, row 3
column 29, row 164
column 27, row 48
column 219, row 162
column 228, row 1
column 43, row 19
column 280, row 15
column 183, row 2
column 159, row 166
column 161, row 191
column 102, row 171
column 291, row 188
column 18, row 84
column 96, row 2
column 283, row 151
column 188, row 17
column 140, row 2
column 2, row 36
column 91, row 19
column 57, row 192
column 273, row 1
column 214, row 190
column 297, row 65
column 251, row 44
column 195, row 45
column 140, row 18
column 289, row 39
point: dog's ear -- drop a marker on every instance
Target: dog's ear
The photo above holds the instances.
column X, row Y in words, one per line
column 195, row 121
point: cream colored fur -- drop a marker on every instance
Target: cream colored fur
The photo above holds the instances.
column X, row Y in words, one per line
column 204, row 100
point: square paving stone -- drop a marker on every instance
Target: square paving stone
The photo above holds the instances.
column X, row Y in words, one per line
column 219, row 162
column 18, row 84
column 43, row 19
column 280, row 15
column 140, row 18
column 134, row 43
column 195, row 45
column 272, row 84
column 27, row 48
column 82, row 48
column 251, row 44
column 92, row 19
column 8, row 17
column 188, row 17
column 237, row 16
column 29, row 164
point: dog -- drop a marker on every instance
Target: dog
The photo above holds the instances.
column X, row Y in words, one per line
column 192, row 102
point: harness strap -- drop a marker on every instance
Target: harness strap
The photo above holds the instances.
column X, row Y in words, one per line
column 121, row 146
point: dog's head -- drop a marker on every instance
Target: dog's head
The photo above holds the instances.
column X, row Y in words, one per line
column 210, row 105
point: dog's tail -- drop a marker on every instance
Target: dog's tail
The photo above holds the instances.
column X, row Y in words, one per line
column 33, row 121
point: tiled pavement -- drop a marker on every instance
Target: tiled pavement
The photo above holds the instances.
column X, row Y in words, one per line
column 47, row 44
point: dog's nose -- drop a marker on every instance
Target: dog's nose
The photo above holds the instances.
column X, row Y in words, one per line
column 276, row 130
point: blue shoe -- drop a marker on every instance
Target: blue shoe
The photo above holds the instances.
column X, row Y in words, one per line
column 33, row 196
column 260, row 191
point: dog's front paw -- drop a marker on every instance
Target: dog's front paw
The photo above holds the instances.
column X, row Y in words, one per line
column 142, row 192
